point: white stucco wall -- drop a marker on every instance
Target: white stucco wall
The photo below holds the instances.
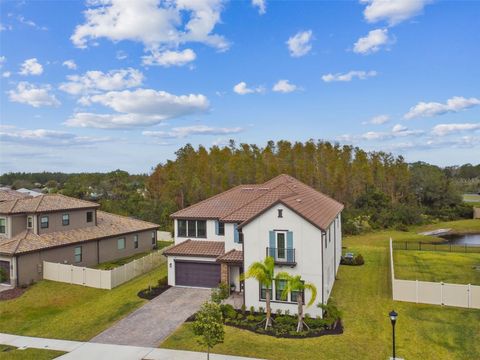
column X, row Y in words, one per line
column 171, row 265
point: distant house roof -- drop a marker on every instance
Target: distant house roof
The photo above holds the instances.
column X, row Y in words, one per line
column 244, row 203
column 44, row 203
column 202, row 248
column 108, row 225
column 30, row 192
column 8, row 194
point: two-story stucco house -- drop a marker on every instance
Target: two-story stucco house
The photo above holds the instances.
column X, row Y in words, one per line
column 62, row 229
column 220, row 237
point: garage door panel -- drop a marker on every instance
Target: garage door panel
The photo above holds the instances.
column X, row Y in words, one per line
column 188, row 273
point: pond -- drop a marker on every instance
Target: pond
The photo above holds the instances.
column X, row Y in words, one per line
column 461, row 239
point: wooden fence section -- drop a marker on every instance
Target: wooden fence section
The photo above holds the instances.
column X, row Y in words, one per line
column 436, row 293
column 102, row 279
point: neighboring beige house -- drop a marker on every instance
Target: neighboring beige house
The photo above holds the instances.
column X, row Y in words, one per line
column 219, row 238
column 58, row 228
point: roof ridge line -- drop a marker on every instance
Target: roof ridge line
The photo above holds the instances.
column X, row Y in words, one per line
column 39, row 202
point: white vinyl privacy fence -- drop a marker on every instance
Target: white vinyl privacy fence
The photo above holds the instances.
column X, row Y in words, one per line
column 102, row 279
column 437, row 293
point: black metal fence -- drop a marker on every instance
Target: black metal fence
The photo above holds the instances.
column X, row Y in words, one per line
column 435, row 246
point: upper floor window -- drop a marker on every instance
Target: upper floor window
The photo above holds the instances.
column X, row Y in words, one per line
column 3, row 226
column 280, row 213
column 135, row 241
column 89, row 216
column 192, row 228
column 44, row 222
column 65, row 219
column 78, row 254
column 220, row 228
column 29, row 222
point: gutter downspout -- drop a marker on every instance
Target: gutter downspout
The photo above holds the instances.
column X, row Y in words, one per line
column 98, row 252
column 243, row 266
column 323, row 277
column 16, row 271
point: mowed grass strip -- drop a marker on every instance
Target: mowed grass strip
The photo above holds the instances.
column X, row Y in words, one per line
column 63, row 311
column 455, row 268
column 363, row 293
column 12, row 353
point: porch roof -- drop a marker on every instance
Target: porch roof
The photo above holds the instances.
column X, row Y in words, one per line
column 232, row 257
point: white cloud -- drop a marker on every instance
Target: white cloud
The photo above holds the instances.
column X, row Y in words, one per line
column 447, row 129
column 170, row 58
column 141, row 107
column 31, row 67
column 372, row 42
column 35, row 96
column 42, row 137
column 21, row 19
column 429, row 109
column 393, row 11
column 70, row 64
column 3, row 60
column 242, row 89
column 378, row 120
column 396, row 132
column 261, row 5
column 121, row 55
column 95, row 81
column 158, row 25
column 182, row 132
column 300, row 44
column 6, row 74
column 349, row 76
column 284, row 86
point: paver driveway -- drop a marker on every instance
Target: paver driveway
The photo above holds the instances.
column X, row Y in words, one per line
column 153, row 322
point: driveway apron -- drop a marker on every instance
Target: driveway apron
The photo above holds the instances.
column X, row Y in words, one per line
column 156, row 320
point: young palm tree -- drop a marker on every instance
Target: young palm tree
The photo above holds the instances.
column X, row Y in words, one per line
column 296, row 284
column 264, row 274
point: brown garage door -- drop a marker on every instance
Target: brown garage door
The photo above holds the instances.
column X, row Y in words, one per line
column 189, row 273
column 5, row 269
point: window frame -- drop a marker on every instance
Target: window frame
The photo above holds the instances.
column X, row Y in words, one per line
column 182, row 229
column 89, row 213
column 118, row 243
column 30, row 222
column 284, row 248
column 43, row 222
column 80, row 254
column 67, row 221
column 278, row 296
column 191, row 229
column 262, row 292
column 4, row 219
column 221, row 228
column 154, row 238
column 135, row 241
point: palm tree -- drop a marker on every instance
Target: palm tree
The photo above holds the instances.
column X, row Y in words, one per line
column 263, row 272
column 296, row 284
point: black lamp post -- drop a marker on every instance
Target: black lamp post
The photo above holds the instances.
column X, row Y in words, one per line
column 393, row 318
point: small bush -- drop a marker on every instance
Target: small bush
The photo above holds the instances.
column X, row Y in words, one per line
column 243, row 309
column 359, row 260
column 251, row 318
column 220, row 293
column 261, row 310
column 252, row 309
column 278, row 312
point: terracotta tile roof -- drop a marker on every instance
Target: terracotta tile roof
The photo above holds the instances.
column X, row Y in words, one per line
column 233, row 256
column 8, row 195
column 44, row 203
column 202, row 248
column 108, row 225
column 243, row 203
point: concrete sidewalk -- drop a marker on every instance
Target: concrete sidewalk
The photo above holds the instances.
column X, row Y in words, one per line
column 94, row 351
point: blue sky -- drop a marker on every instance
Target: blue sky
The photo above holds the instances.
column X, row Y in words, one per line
column 101, row 85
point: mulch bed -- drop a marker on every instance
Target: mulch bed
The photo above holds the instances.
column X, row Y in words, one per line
column 11, row 294
column 152, row 293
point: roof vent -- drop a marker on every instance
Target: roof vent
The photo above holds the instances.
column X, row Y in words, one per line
column 247, row 188
column 299, row 200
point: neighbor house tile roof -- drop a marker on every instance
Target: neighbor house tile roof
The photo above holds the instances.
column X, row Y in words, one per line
column 243, row 203
column 9, row 195
column 44, row 203
column 108, row 225
column 232, row 256
column 202, row 248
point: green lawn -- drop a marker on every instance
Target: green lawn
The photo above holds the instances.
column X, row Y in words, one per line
column 119, row 262
column 456, row 268
column 471, row 198
column 363, row 293
column 163, row 244
column 12, row 353
column 73, row 312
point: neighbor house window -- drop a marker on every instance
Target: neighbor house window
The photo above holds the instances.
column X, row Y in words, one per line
column 44, row 222
column 3, row 226
column 280, row 213
column 29, row 222
column 279, row 287
column 89, row 216
column 65, row 219
column 192, row 228
column 78, row 254
column 121, row 244
column 154, row 240
column 263, row 292
column 135, row 241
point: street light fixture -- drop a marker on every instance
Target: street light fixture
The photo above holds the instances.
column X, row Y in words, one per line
column 393, row 318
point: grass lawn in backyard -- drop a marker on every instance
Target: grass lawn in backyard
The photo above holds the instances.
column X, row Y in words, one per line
column 471, row 198
column 163, row 244
column 119, row 262
column 12, row 353
column 63, row 311
column 455, row 268
column 363, row 293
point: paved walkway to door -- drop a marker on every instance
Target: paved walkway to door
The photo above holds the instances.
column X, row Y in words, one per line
column 153, row 322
